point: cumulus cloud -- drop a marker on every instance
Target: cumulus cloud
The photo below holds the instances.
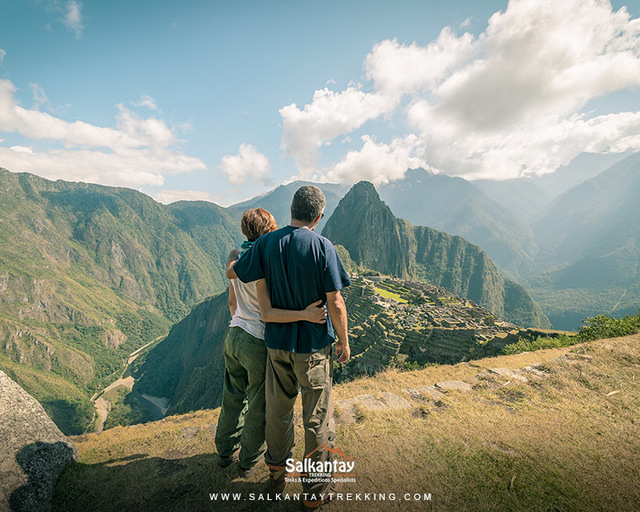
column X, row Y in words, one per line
column 72, row 17
column 398, row 69
column 136, row 152
column 516, row 108
column 248, row 163
column 329, row 115
column 511, row 101
column 377, row 163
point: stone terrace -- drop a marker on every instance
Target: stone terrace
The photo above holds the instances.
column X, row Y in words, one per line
column 395, row 321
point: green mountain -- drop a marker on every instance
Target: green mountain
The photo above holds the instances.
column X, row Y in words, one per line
column 88, row 274
column 365, row 226
column 458, row 207
column 278, row 201
column 590, row 247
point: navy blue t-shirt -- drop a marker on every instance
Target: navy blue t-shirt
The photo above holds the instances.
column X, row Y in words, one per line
column 300, row 267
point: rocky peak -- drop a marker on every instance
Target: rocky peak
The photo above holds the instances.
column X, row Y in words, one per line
column 367, row 228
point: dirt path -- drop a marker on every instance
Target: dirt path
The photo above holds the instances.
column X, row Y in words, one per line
column 102, row 411
column 136, row 353
column 103, row 406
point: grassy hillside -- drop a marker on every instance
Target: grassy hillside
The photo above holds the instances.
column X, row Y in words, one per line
column 365, row 226
column 88, row 274
column 566, row 439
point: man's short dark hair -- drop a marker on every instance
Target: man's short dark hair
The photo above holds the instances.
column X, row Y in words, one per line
column 308, row 202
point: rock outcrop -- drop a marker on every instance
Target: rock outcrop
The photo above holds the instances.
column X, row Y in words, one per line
column 33, row 451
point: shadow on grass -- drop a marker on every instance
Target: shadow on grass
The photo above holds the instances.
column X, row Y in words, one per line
column 173, row 483
column 42, row 463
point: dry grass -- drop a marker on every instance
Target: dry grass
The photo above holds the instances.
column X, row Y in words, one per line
column 562, row 443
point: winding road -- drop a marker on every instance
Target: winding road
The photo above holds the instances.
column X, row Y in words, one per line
column 157, row 405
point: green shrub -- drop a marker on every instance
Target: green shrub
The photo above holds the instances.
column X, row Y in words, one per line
column 539, row 343
column 603, row 326
column 594, row 328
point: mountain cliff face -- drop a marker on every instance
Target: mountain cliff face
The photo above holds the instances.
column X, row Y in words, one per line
column 365, row 226
column 90, row 273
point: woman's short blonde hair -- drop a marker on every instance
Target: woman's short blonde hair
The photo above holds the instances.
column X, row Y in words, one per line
column 256, row 222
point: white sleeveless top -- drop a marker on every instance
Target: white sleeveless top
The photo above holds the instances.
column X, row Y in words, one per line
column 247, row 315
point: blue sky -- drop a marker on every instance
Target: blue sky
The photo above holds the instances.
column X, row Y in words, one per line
column 224, row 100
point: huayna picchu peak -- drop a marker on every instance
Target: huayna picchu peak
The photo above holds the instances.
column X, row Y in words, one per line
column 376, row 239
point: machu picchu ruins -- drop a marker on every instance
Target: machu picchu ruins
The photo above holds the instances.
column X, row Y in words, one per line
column 401, row 322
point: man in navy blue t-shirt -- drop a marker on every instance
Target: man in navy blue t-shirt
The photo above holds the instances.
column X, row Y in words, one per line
column 298, row 267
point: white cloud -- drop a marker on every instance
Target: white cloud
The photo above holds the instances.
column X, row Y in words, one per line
column 466, row 23
column 39, row 96
column 377, row 163
column 3, row 54
column 72, row 18
column 21, row 149
column 514, row 100
column 248, row 163
column 517, row 107
column 138, row 151
column 400, row 69
column 329, row 114
column 171, row 196
column 146, row 101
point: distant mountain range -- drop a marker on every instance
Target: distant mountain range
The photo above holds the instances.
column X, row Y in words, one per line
column 590, row 248
column 278, row 201
column 527, row 197
column 458, row 207
column 519, row 223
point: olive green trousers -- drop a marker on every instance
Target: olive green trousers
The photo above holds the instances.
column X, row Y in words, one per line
column 242, row 416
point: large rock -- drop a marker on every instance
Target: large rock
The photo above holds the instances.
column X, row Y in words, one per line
column 33, row 451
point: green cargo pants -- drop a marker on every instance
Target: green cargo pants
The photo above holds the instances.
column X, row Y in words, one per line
column 242, row 421
column 313, row 373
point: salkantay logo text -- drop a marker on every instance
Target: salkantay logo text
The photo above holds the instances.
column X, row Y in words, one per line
column 338, row 468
